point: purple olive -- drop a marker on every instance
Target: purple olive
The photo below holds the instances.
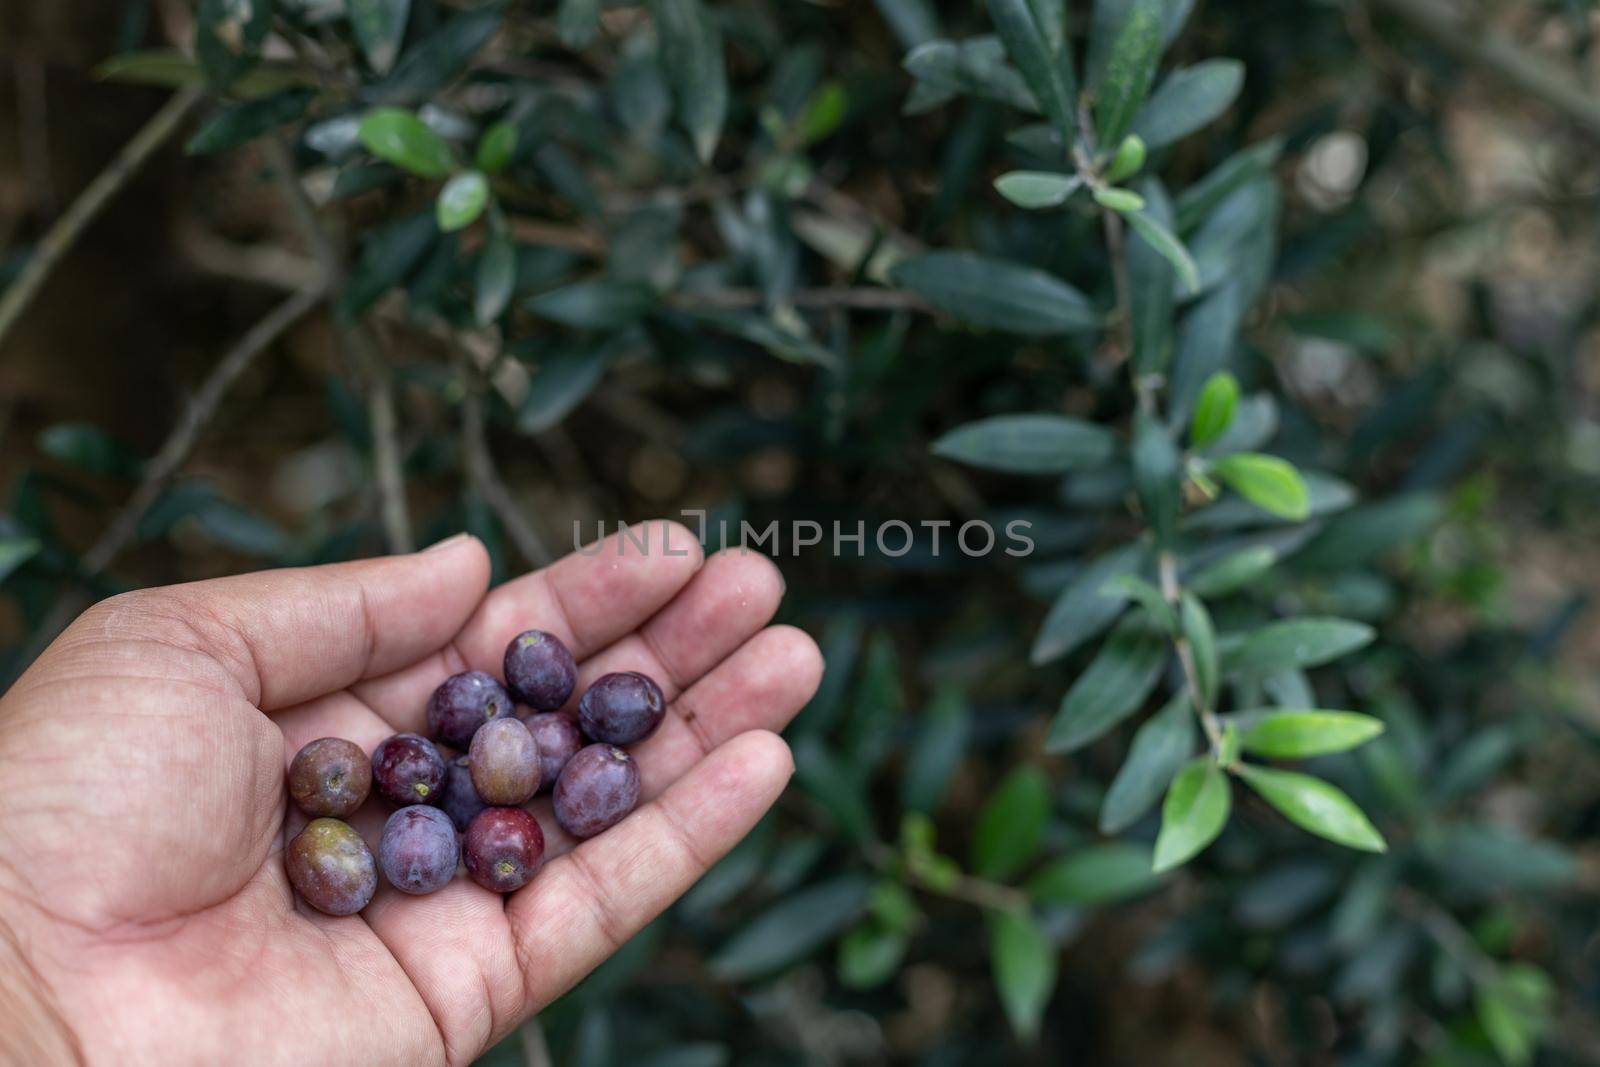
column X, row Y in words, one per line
column 539, row 670
column 462, row 703
column 330, row 776
column 504, row 762
column 331, row 867
column 558, row 738
column 418, row 850
column 460, row 799
column 407, row 769
column 503, row 848
column 621, row 709
column 599, row 786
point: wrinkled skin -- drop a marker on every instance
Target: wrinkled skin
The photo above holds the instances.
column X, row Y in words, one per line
column 597, row 790
column 330, row 776
column 154, row 735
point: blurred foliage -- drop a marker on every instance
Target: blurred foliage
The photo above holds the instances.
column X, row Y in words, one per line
column 1240, row 311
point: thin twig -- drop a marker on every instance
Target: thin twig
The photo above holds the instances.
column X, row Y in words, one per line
column 364, row 352
column 1531, row 74
column 485, row 477
column 70, row 226
column 1167, row 566
column 174, row 451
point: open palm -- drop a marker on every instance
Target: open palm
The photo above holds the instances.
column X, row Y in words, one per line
column 143, row 812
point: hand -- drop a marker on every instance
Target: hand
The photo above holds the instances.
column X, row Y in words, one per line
column 145, row 916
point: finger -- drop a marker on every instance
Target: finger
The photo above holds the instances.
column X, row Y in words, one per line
column 583, row 906
column 762, row 686
column 284, row 636
column 589, row 601
column 729, row 600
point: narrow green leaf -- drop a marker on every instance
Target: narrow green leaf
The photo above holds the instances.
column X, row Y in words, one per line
column 1160, row 749
column 1514, row 1011
column 1028, row 444
column 1113, row 687
column 1195, row 811
column 1314, row 805
column 835, row 788
column 1233, row 571
column 496, row 276
column 380, row 26
column 1098, row 874
column 869, row 955
column 691, row 58
column 1268, row 482
column 791, row 929
column 993, row 292
column 1034, row 189
column 1299, row 734
column 561, row 383
column 1011, row 824
column 496, row 147
column 397, row 136
column 438, row 58
column 597, row 304
column 1033, row 32
column 234, row 125
column 228, row 35
column 1150, row 275
column 1304, row 642
column 388, row 256
column 1156, row 476
column 1244, row 166
column 1130, row 69
column 1135, row 587
column 823, row 113
column 1023, row 959
column 1213, row 411
column 1083, row 609
column 1195, row 622
column 940, row 746
column 462, row 200
column 1188, row 99
column 1158, row 237
column 974, row 67
column 1122, row 201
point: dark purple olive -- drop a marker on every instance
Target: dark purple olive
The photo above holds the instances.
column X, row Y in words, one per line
column 621, row 709
column 504, row 762
column 460, row 798
column 599, row 786
column 462, row 703
column 539, row 670
column 331, row 867
column 559, row 739
column 330, row 776
column 503, row 848
column 407, row 769
column 418, row 850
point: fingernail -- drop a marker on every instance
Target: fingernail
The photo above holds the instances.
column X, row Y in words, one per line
column 453, row 539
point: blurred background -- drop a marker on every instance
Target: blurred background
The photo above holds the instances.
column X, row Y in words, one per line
column 1428, row 334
